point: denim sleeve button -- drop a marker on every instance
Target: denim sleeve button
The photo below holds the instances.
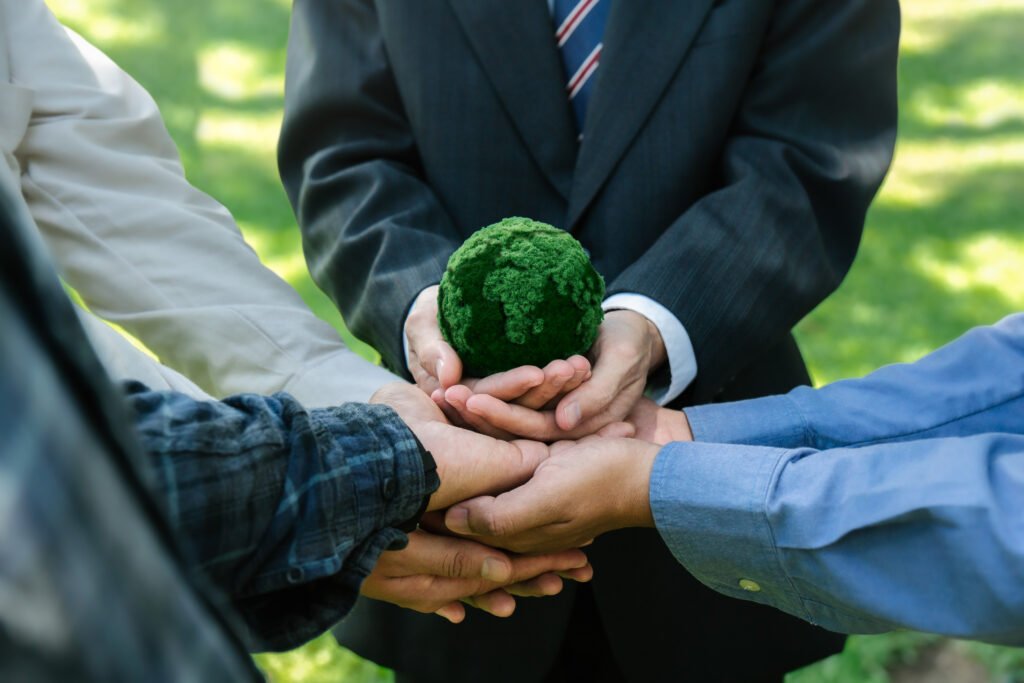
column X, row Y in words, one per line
column 389, row 488
column 750, row 586
column 295, row 575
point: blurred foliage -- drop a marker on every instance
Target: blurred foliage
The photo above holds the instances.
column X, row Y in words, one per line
column 943, row 249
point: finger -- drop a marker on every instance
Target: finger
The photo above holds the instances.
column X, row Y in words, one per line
column 456, row 398
column 537, row 587
column 455, row 558
column 451, row 413
column 556, row 374
column 560, row 446
column 438, row 359
column 581, row 372
column 507, row 515
column 580, row 575
column 498, row 603
column 471, row 464
column 617, row 430
column 428, row 353
column 508, row 385
column 526, row 567
column 592, row 398
column 453, row 612
column 423, row 379
column 515, row 419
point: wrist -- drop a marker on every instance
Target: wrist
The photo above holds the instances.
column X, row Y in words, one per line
column 656, row 346
column 432, row 481
column 637, row 498
column 673, row 426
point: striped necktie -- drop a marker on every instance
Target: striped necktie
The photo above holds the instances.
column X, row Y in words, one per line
column 580, row 26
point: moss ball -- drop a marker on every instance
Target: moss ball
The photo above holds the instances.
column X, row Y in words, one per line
column 519, row 292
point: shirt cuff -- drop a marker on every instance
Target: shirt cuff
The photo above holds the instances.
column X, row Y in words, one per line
column 708, row 502
column 770, row 421
column 682, row 362
column 386, row 483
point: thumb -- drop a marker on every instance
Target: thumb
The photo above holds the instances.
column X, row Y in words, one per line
column 428, row 350
column 438, row 359
column 457, row 558
column 501, row 517
column 471, row 464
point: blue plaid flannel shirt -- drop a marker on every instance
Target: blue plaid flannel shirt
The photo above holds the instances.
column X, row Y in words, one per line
column 286, row 510
column 112, row 552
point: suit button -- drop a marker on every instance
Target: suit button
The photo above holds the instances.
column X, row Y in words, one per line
column 295, row 575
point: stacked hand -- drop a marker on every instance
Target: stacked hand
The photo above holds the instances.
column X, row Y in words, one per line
column 434, row 572
column 581, row 491
column 566, row 399
column 523, row 495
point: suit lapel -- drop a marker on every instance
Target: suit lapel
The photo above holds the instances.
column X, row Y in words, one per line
column 645, row 41
column 514, row 41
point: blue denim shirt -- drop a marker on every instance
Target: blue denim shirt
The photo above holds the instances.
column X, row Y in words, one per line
column 896, row 500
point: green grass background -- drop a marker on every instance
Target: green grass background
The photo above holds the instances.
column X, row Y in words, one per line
column 943, row 249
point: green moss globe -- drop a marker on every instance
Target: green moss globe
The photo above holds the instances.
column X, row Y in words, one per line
column 519, row 292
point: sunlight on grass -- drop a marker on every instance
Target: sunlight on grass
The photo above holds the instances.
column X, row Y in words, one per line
column 235, row 72
column 289, row 266
column 106, row 25
column 985, row 104
column 983, row 262
column 321, row 661
column 253, row 133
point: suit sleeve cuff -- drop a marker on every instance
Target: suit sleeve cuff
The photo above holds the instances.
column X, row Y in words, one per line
column 770, row 421
column 682, row 362
column 708, row 502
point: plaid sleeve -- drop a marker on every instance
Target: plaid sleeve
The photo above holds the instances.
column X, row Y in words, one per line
column 286, row 510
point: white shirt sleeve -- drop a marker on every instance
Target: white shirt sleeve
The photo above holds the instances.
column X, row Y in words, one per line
column 147, row 250
column 682, row 363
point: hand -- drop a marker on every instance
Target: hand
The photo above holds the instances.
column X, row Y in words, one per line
column 435, row 366
column 659, row 425
column 434, row 573
column 627, row 348
column 560, row 377
column 431, row 360
column 582, row 491
column 468, row 464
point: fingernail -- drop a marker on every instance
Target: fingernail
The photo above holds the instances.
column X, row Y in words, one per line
column 457, row 520
column 494, row 570
column 439, row 368
column 572, row 414
column 474, row 407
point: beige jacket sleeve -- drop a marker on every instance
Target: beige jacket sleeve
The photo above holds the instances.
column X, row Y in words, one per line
column 144, row 248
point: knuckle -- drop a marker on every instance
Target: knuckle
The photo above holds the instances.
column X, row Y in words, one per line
column 454, row 564
column 497, row 524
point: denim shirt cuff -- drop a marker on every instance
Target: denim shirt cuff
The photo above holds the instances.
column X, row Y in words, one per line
column 708, row 502
column 770, row 421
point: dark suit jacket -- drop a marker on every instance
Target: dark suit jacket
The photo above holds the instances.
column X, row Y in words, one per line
column 730, row 153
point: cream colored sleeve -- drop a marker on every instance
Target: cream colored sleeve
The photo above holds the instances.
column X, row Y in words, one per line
column 144, row 248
